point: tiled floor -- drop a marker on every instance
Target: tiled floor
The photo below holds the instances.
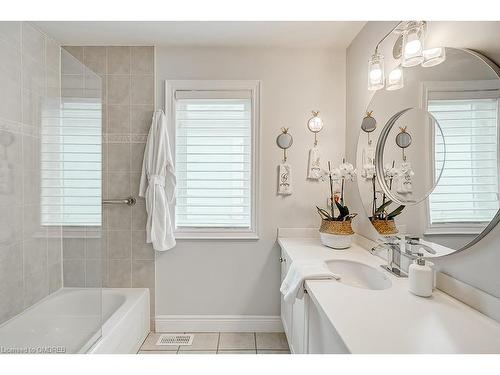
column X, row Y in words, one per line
column 221, row 343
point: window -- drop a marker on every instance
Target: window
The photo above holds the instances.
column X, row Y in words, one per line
column 468, row 189
column 216, row 132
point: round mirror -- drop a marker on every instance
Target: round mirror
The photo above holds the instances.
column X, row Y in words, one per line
column 444, row 122
column 284, row 140
column 403, row 175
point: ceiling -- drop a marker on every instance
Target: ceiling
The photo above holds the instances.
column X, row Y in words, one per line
column 324, row 34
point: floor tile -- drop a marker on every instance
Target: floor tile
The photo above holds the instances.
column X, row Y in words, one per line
column 263, row 351
column 241, row 351
column 202, row 341
column 274, row 340
column 229, row 340
column 150, row 344
column 156, row 352
column 197, row 351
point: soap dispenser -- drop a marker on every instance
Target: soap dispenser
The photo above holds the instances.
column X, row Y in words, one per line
column 421, row 278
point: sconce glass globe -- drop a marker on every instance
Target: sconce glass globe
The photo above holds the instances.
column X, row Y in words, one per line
column 376, row 76
column 433, row 56
column 315, row 123
column 395, row 80
column 413, row 44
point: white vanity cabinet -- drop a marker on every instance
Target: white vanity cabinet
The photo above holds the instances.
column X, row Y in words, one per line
column 306, row 327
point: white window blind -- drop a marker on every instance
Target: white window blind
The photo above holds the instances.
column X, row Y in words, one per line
column 71, row 164
column 468, row 189
column 213, row 157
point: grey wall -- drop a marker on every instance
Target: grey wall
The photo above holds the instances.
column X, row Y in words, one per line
column 242, row 277
column 477, row 266
column 30, row 255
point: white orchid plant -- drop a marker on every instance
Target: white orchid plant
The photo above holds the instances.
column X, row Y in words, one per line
column 381, row 212
column 337, row 178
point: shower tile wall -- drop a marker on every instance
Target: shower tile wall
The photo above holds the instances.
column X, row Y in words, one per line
column 30, row 254
column 128, row 100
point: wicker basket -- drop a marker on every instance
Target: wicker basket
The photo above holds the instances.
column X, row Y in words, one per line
column 385, row 227
column 342, row 228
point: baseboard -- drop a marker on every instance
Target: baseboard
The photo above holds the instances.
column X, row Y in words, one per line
column 218, row 323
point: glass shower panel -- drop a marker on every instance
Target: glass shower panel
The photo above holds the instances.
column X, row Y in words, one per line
column 73, row 198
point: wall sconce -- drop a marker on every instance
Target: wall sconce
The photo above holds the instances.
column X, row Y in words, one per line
column 409, row 47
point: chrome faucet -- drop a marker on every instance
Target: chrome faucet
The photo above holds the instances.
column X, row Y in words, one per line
column 395, row 255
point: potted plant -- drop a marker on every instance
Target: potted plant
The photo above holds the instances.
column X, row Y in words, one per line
column 336, row 229
column 382, row 218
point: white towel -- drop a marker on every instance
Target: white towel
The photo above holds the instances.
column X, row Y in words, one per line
column 301, row 270
column 314, row 165
column 158, row 184
column 284, row 179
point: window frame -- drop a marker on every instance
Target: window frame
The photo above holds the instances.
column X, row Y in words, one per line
column 171, row 86
column 455, row 86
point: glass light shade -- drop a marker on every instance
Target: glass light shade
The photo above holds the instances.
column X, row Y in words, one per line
column 395, row 80
column 433, row 56
column 376, row 76
column 413, row 44
column 315, row 123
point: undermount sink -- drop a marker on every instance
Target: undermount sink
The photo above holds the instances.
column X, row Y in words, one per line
column 358, row 274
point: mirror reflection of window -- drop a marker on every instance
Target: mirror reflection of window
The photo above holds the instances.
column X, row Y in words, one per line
column 467, row 193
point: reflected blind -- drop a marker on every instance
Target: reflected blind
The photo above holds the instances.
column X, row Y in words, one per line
column 213, row 159
column 71, row 164
column 468, row 189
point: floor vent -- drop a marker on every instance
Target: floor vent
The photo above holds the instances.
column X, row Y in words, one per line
column 173, row 339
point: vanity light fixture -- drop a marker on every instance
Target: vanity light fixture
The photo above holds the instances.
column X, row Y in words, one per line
column 395, row 80
column 413, row 44
column 409, row 49
column 433, row 56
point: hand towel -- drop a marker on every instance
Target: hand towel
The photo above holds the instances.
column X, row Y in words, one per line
column 314, row 169
column 301, row 270
column 284, row 179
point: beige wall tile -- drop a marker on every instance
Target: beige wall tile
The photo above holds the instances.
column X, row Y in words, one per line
column 75, row 51
column 10, row 31
column 118, row 60
column 95, row 248
column 118, row 89
column 93, row 273
column 73, row 248
column 143, row 274
column 10, row 99
column 119, row 218
column 54, row 250
column 140, row 249
column 55, row 281
column 33, row 75
column 136, row 156
column 140, row 119
column 10, row 55
column 36, row 287
column 139, row 217
column 118, row 119
column 95, row 59
column 142, row 60
column 142, row 88
column 52, row 54
column 118, row 185
column 119, row 273
column 118, row 157
column 33, row 43
column 11, row 281
column 119, row 244
column 74, row 272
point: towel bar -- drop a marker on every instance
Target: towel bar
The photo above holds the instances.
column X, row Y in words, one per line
column 128, row 201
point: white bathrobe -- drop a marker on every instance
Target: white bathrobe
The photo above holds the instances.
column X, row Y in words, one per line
column 158, row 184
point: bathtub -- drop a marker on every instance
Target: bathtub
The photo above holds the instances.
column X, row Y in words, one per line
column 69, row 321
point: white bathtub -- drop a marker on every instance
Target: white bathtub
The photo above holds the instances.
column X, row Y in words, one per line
column 70, row 321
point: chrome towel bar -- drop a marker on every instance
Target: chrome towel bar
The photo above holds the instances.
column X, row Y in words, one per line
column 130, row 201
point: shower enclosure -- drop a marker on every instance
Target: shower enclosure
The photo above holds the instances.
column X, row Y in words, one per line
column 51, row 257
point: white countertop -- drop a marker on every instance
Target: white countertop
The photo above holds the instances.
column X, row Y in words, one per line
column 393, row 320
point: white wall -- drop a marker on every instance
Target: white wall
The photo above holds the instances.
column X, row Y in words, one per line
column 478, row 265
column 242, row 277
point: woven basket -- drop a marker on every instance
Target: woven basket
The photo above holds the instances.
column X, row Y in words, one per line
column 342, row 228
column 385, row 227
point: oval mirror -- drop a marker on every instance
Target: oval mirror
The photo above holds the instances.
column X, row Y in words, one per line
column 452, row 119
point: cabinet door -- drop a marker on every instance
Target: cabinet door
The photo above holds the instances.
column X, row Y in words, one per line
column 298, row 328
column 286, row 308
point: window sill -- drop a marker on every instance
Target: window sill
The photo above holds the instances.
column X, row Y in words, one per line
column 219, row 236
